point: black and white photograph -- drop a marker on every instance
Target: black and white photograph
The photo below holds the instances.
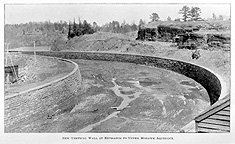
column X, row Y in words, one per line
column 116, row 72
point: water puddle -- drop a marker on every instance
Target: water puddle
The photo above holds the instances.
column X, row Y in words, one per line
column 127, row 98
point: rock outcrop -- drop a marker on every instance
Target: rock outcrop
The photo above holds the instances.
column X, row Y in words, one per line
column 184, row 37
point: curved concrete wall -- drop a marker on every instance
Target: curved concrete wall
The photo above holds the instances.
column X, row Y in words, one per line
column 201, row 75
column 40, row 101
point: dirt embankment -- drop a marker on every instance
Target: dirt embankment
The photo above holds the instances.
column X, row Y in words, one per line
column 102, row 41
column 215, row 58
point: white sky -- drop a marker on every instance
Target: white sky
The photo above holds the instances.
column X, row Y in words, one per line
column 102, row 13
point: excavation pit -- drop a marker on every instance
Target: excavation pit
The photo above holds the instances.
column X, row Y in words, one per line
column 106, row 103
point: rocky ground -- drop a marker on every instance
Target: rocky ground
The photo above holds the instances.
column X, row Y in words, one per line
column 122, row 97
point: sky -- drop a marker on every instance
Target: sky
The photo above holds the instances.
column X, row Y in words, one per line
column 103, row 13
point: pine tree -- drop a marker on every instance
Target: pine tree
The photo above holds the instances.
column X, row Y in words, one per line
column 194, row 13
column 80, row 28
column 69, row 32
column 95, row 26
column 213, row 16
column 154, row 17
column 221, row 17
column 168, row 18
column 87, row 28
column 185, row 11
column 75, row 28
column 141, row 23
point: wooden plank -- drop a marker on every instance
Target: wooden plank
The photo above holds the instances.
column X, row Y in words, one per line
column 218, row 122
column 226, row 113
column 213, row 109
column 196, row 127
column 227, row 108
column 190, row 127
column 220, row 117
column 201, row 129
column 213, row 126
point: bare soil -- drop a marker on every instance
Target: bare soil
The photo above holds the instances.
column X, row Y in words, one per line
column 158, row 100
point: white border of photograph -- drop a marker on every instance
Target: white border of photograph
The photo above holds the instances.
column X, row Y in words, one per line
column 48, row 138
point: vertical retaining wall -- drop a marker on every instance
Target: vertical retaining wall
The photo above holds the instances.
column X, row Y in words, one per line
column 206, row 78
column 41, row 101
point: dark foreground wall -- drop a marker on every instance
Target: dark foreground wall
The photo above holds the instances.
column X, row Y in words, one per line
column 207, row 79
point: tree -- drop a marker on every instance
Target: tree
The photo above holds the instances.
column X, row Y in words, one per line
column 115, row 26
column 168, row 18
column 87, row 28
column 221, row 17
column 154, row 17
column 177, row 19
column 124, row 27
column 185, row 12
column 75, row 28
column 95, row 26
column 194, row 13
column 213, row 16
column 133, row 27
column 80, row 27
column 69, row 32
column 141, row 23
